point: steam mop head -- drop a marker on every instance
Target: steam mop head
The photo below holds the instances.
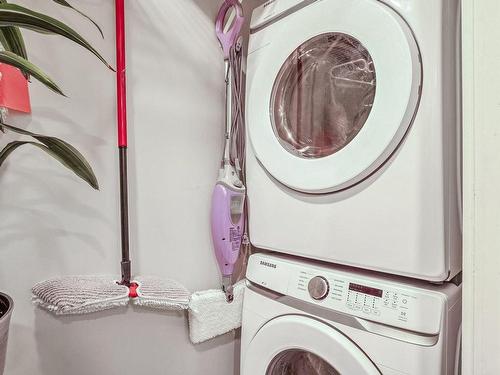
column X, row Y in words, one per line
column 80, row 294
column 210, row 315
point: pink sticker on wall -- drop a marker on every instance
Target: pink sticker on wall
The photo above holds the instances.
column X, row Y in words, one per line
column 14, row 93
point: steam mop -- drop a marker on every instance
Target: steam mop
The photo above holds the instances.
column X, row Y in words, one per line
column 215, row 312
column 228, row 199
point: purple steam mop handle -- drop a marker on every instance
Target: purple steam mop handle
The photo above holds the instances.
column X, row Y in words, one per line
column 228, row 39
column 227, row 225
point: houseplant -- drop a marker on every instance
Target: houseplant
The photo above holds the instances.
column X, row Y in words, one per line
column 13, row 18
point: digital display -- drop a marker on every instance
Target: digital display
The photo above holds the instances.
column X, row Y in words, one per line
column 366, row 290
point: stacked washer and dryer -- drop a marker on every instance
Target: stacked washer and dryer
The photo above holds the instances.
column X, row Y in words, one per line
column 353, row 175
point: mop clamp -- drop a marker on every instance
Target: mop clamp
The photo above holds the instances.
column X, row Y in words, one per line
column 227, row 288
column 132, row 290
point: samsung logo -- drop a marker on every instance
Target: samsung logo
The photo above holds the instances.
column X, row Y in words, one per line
column 267, row 264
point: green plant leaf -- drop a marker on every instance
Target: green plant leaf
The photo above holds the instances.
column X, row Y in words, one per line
column 10, row 58
column 68, row 5
column 15, row 15
column 62, row 151
column 12, row 40
column 10, row 148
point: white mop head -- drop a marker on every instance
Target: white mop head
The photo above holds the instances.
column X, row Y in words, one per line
column 80, row 294
column 164, row 294
column 210, row 315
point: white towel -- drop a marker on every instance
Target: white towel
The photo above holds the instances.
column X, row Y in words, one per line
column 210, row 315
column 80, row 294
column 163, row 294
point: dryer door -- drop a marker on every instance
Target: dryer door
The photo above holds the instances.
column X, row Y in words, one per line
column 333, row 89
column 300, row 345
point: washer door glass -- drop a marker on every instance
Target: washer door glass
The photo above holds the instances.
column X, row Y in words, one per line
column 301, row 345
column 323, row 95
column 299, row 362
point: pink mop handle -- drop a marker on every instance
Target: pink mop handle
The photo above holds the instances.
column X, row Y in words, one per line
column 121, row 77
column 121, row 94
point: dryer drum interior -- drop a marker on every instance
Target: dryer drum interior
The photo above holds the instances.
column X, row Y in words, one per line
column 323, row 95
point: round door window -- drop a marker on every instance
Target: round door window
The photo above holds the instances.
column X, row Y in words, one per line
column 299, row 362
column 323, row 95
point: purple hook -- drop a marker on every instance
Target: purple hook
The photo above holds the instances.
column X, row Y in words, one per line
column 228, row 39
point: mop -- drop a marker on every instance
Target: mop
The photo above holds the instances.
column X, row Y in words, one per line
column 214, row 312
column 228, row 198
column 87, row 294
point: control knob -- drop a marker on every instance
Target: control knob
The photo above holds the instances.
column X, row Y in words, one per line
column 318, row 288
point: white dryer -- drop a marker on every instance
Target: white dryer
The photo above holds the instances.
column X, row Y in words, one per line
column 302, row 318
column 353, row 126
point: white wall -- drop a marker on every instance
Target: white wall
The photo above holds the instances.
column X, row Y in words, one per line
column 52, row 224
column 481, row 313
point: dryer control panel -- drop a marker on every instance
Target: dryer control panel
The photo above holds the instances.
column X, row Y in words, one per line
column 387, row 300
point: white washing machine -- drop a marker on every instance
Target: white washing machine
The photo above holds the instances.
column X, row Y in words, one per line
column 306, row 319
column 353, row 126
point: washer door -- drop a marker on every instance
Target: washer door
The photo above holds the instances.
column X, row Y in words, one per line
column 300, row 345
column 333, row 93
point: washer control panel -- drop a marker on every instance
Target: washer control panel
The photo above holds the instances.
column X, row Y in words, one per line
column 372, row 298
column 374, row 301
column 360, row 297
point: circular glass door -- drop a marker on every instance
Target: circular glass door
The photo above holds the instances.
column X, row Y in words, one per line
column 300, row 362
column 323, row 95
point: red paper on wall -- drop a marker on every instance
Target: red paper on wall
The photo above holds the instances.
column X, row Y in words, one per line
column 14, row 93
